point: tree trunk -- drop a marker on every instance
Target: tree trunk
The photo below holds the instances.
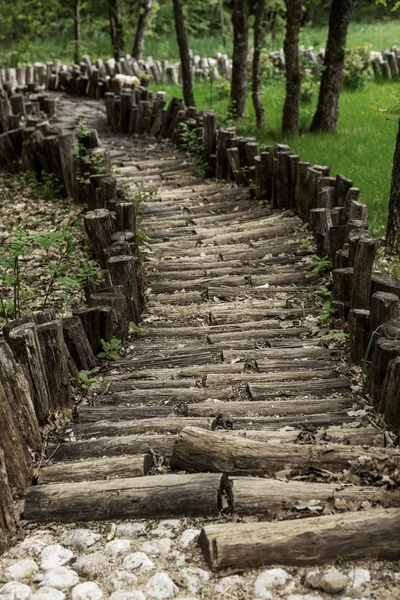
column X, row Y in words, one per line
column 237, row 105
column 116, row 29
column 290, row 121
column 144, row 16
column 393, row 223
column 259, row 33
column 327, row 114
column 184, row 54
column 77, row 31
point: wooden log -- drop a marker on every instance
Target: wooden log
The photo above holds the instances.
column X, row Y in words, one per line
column 55, row 358
column 18, row 393
column 390, row 401
column 100, row 225
column 363, row 265
column 26, row 349
column 336, row 240
column 123, row 271
column 90, row 319
column 371, row 534
column 293, row 162
column 78, row 345
column 359, row 328
column 353, row 237
column 302, row 189
column 210, row 139
column 66, row 149
column 158, row 496
column 343, row 185
column 281, row 179
column 342, row 283
column 358, row 211
column 121, row 311
column 384, row 282
column 383, row 352
column 125, row 216
column 7, row 518
column 222, row 165
column 108, row 187
column 234, row 165
column 199, row 450
column 384, row 307
column 271, row 498
column 95, row 469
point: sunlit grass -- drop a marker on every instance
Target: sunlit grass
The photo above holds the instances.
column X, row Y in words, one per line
column 361, row 148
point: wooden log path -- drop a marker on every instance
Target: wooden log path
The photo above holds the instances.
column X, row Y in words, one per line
column 228, row 403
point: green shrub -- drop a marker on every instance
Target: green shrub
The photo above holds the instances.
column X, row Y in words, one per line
column 356, row 67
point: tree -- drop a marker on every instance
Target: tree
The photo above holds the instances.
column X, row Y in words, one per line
column 116, row 29
column 144, row 16
column 326, row 116
column 259, row 33
column 393, row 223
column 237, row 103
column 290, row 121
column 184, row 54
column 77, row 31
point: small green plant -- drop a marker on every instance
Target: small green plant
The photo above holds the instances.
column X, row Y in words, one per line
column 86, row 380
column 191, row 143
column 305, row 244
column 319, row 267
column 135, row 328
column 340, row 335
column 110, row 349
column 326, row 312
column 368, row 350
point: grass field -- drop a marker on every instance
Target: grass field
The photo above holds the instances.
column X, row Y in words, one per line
column 361, row 149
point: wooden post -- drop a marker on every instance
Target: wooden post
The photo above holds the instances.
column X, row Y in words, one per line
column 121, row 314
column 123, row 271
column 342, row 284
column 78, row 345
column 359, row 327
column 343, row 184
column 383, row 352
column 210, row 139
column 7, row 518
column 391, row 393
column 100, row 225
column 90, row 318
column 384, row 307
column 363, row 264
column 222, row 164
column 55, row 358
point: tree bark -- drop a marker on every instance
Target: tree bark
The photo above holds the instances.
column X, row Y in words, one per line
column 77, row 31
column 237, row 104
column 116, row 29
column 144, row 16
column 290, row 121
column 259, row 34
column 393, row 222
column 326, row 116
column 184, row 54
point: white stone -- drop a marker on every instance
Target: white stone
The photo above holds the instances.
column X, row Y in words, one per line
column 135, row 595
column 359, row 577
column 55, row 556
column 157, row 547
column 92, row 565
column 60, row 578
column 38, row 577
column 121, row 580
column 48, row 593
column 22, row 570
column 34, row 544
column 80, row 538
column 138, row 560
column 179, row 557
column 331, row 581
column 161, row 586
column 15, row 590
column 162, row 532
column 231, row 583
column 194, row 578
column 87, row 591
column 188, row 536
column 304, row 597
column 170, row 523
column 130, row 530
column 116, row 547
column 271, row 578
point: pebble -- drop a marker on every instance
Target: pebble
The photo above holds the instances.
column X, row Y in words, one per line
column 179, row 557
column 116, row 547
column 55, row 556
column 304, row 597
column 15, row 590
column 80, row 538
column 92, row 565
column 48, row 593
column 188, row 536
column 161, row 532
column 271, row 578
column 332, row 581
column 34, row 544
column 194, row 578
column 87, row 591
column 22, row 570
column 60, row 578
column 136, row 595
column 170, row 523
column 161, row 586
column 157, row 547
column 231, row 583
column 130, row 530
column 359, row 577
column 121, row 580
column 138, row 560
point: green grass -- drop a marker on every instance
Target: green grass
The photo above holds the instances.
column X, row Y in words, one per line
column 361, row 149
